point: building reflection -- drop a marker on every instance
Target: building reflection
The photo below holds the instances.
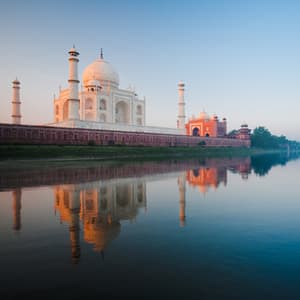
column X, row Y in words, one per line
column 210, row 175
column 214, row 173
column 99, row 207
column 94, row 210
column 204, row 178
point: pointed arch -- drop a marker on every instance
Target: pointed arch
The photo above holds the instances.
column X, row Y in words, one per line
column 122, row 113
column 196, row 131
column 103, row 104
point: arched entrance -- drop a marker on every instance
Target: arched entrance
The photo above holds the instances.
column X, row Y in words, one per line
column 122, row 112
column 196, row 131
column 207, row 134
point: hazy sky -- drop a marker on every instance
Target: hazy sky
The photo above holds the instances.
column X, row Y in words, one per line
column 239, row 59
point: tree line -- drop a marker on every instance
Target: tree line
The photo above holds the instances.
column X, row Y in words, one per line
column 263, row 138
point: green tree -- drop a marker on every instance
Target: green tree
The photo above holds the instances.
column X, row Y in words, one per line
column 263, row 138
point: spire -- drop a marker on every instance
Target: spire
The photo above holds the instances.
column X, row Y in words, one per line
column 16, row 81
column 101, row 54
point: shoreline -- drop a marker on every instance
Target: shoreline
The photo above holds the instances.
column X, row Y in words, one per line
column 43, row 153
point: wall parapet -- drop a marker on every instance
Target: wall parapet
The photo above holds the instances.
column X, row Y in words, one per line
column 49, row 135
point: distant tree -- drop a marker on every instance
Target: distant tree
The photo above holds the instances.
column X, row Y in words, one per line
column 282, row 140
column 232, row 133
column 294, row 145
column 262, row 138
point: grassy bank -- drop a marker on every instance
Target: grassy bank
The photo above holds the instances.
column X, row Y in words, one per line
column 32, row 152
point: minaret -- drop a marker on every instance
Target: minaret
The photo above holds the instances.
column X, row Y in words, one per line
column 181, row 104
column 181, row 185
column 16, row 103
column 73, row 100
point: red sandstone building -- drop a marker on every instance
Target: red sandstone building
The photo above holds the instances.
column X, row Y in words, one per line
column 206, row 126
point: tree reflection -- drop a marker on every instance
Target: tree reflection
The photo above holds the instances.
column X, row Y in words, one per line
column 262, row 164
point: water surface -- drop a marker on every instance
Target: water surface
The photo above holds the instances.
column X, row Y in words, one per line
column 198, row 229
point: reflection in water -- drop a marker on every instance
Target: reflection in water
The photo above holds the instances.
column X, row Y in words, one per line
column 203, row 178
column 17, row 195
column 212, row 174
column 181, row 184
column 262, row 164
column 99, row 207
column 237, row 248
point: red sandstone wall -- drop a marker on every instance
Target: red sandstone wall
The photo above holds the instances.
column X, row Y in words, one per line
column 46, row 135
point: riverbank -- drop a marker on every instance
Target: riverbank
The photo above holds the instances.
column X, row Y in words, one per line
column 46, row 152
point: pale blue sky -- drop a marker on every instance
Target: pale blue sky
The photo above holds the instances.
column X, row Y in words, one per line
column 239, row 59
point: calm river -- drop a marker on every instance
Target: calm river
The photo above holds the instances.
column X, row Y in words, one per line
column 197, row 229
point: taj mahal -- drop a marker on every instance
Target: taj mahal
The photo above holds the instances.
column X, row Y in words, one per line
column 99, row 104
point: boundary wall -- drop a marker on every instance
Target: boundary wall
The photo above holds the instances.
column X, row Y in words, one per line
column 48, row 135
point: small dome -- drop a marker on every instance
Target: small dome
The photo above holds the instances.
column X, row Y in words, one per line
column 100, row 70
column 16, row 81
column 73, row 51
column 180, row 83
column 203, row 116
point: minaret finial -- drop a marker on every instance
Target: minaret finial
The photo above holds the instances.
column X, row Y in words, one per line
column 101, row 54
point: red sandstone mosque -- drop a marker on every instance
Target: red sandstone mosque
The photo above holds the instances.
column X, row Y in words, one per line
column 207, row 126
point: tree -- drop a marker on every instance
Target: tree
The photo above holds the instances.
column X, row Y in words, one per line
column 262, row 138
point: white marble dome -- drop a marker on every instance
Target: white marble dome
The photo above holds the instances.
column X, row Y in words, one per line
column 100, row 70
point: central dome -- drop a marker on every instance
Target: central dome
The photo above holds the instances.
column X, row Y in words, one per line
column 100, row 70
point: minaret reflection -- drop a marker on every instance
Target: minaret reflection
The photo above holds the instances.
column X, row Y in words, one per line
column 17, row 196
column 181, row 184
column 67, row 202
column 99, row 206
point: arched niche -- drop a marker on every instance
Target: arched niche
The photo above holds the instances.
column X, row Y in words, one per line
column 122, row 112
column 139, row 109
column 88, row 103
column 102, row 118
column 103, row 105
